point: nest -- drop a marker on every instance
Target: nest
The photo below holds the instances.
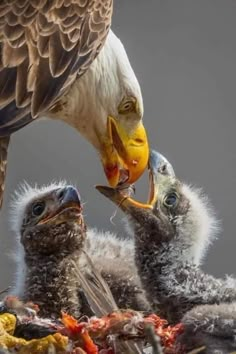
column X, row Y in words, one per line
column 23, row 331
column 110, row 331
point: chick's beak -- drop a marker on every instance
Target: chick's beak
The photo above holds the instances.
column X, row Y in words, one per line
column 123, row 202
column 68, row 195
column 159, row 170
column 125, row 155
column 67, row 202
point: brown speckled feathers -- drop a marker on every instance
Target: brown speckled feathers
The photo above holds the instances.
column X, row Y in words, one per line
column 3, row 164
column 44, row 46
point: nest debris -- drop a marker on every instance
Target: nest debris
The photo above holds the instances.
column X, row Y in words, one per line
column 23, row 332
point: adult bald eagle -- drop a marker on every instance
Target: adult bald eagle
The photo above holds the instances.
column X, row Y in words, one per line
column 49, row 67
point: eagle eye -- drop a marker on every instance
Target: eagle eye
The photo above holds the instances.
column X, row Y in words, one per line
column 171, row 200
column 127, row 105
column 38, row 208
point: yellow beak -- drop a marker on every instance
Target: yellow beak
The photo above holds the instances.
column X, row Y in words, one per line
column 126, row 203
column 123, row 202
column 124, row 151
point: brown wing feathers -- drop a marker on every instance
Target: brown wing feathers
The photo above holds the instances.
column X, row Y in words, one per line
column 44, row 46
column 42, row 43
column 3, row 165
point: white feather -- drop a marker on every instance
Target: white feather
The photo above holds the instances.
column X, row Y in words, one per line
column 106, row 249
column 99, row 92
column 200, row 227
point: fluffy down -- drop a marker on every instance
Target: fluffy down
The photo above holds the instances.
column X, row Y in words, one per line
column 113, row 257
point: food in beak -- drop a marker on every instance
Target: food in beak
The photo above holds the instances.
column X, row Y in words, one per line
column 158, row 167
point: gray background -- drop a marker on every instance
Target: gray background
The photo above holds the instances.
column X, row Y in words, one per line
column 184, row 55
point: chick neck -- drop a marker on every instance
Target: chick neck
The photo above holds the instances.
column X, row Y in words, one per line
column 173, row 282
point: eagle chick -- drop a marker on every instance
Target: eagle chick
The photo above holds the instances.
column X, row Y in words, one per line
column 51, row 235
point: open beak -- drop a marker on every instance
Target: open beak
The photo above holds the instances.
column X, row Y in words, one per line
column 123, row 202
column 126, row 203
column 124, row 155
column 67, row 206
column 65, row 213
column 159, row 168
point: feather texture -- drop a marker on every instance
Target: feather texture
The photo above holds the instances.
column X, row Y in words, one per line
column 3, row 164
column 43, row 45
column 96, row 289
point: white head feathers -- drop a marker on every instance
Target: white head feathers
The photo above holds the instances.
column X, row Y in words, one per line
column 108, row 80
column 121, row 77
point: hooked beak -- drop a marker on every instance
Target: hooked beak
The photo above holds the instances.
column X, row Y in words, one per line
column 68, row 205
column 159, row 168
column 124, row 155
column 123, row 202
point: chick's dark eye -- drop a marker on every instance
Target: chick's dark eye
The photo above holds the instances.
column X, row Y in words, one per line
column 171, row 200
column 38, row 208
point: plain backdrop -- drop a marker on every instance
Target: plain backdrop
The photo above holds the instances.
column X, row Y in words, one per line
column 184, row 55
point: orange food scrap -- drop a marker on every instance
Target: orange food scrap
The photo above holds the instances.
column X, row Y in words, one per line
column 78, row 331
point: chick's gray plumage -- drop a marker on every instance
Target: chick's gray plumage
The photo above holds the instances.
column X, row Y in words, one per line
column 55, row 290
column 173, row 285
column 173, row 281
column 171, row 238
column 52, row 245
column 210, row 326
column 50, row 241
column 114, row 258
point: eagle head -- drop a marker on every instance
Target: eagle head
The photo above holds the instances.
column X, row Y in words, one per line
column 105, row 105
column 48, row 220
